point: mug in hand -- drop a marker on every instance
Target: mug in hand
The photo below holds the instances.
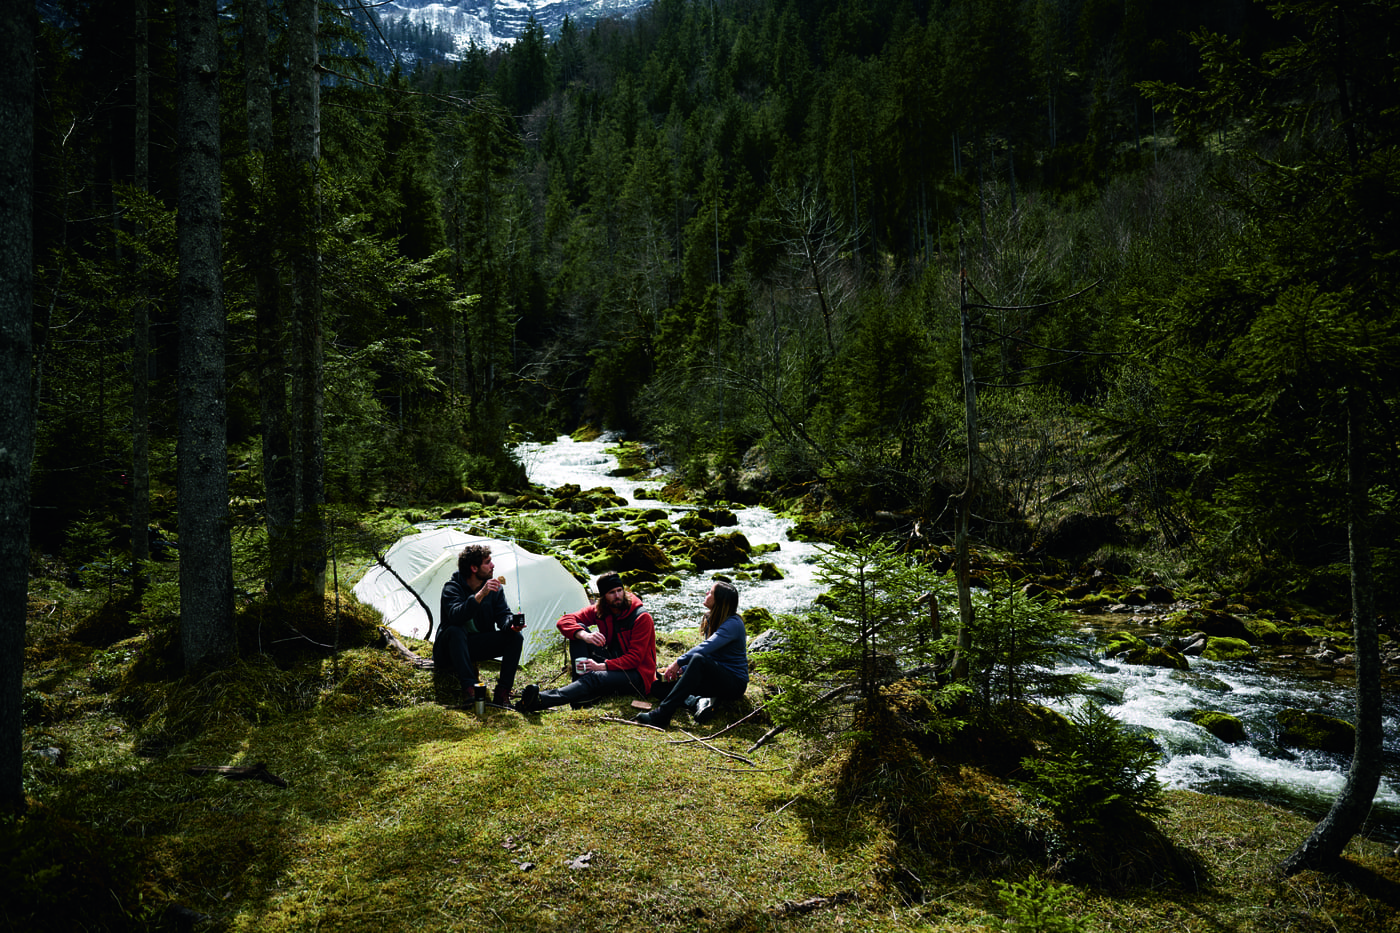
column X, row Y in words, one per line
column 517, row 621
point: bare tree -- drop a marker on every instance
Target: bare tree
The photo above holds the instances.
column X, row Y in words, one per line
column 816, row 245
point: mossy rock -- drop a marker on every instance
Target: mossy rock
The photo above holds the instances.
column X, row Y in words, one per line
column 1264, row 632
column 1223, row 726
column 1302, row 729
column 720, row 518
column 1118, row 642
column 1296, row 637
column 1096, row 601
column 670, row 582
column 1103, row 693
column 764, row 571
column 694, row 524
column 1203, row 682
column 1227, row 649
column 1180, row 621
column 637, row 555
column 1160, row 657
column 756, row 619
column 653, row 515
column 719, row 551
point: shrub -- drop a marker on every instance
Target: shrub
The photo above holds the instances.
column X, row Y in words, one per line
column 1098, row 776
column 1038, row 906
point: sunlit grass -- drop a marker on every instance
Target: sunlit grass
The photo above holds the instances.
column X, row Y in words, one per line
column 404, row 814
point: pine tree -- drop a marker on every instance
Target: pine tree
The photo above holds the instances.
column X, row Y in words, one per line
column 206, row 554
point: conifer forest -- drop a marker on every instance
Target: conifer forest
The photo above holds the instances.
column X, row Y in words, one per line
column 927, row 268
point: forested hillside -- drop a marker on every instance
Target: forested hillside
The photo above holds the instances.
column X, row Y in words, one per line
column 1065, row 302
column 758, row 234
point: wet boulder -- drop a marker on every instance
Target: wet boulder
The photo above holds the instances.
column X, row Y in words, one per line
column 1302, row 729
column 1130, row 649
column 1227, row 649
column 718, row 551
column 692, row 523
column 756, row 620
column 1223, row 726
column 719, row 518
column 630, row 555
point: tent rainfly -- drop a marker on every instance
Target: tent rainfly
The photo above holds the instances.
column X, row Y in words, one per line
column 536, row 585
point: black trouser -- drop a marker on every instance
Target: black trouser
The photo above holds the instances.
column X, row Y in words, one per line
column 702, row 677
column 589, row 687
column 455, row 649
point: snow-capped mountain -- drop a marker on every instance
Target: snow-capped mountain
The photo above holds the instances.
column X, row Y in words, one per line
column 491, row 23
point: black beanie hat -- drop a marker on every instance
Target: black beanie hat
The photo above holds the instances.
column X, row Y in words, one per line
column 608, row 581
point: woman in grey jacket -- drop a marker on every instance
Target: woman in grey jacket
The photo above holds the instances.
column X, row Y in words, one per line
column 713, row 671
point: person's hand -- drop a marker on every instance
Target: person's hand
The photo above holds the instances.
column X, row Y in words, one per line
column 597, row 639
column 591, row 666
column 491, row 586
column 673, row 671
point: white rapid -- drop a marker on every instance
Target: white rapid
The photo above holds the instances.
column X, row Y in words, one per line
column 1150, row 699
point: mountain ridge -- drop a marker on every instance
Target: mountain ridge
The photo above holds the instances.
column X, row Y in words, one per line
column 491, row 23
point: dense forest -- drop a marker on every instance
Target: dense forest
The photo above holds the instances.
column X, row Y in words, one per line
column 754, row 229
column 1109, row 283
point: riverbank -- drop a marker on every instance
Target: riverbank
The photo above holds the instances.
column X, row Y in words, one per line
column 401, row 814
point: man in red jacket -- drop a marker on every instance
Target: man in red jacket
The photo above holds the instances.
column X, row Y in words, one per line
column 613, row 641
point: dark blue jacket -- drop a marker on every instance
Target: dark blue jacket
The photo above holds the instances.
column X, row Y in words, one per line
column 727, row 647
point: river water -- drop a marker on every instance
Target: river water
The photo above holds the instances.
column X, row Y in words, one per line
column 1150, row 699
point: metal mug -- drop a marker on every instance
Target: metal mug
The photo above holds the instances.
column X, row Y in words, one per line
column 581, row 665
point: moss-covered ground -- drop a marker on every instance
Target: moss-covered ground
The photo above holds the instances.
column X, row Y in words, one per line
column 401, row 812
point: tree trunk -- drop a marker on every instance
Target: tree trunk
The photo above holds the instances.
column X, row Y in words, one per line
column 974, row 458
column 16, row 355
column 206, row 562
column 307, row 382
column 1324, row 847
column 279, row 475
column 141, row 329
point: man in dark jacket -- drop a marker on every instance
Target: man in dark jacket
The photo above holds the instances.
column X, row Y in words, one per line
column 613, row 641
column 477, row 623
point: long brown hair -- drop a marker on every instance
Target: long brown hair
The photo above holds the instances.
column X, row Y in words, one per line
column 725, row 605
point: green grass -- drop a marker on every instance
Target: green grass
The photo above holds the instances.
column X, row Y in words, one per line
column 404, row 814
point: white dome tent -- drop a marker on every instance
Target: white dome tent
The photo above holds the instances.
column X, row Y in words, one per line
column 536, row 584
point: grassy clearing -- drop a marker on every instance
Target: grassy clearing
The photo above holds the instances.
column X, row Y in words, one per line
column 404, row 814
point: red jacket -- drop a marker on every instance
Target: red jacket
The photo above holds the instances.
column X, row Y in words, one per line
column 635, row 647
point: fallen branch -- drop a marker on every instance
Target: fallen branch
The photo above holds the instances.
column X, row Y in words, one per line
column 713, row 748
column 810, row 904
column 839, row 689
column 777, row 811
column 257, row 772
column 405, row 652
column 737, row 723
column 630, row 722
column 379, row 559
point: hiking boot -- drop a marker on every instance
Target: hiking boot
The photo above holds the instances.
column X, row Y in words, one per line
column 529, row 699
column 703, row 711
column 655, row 718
